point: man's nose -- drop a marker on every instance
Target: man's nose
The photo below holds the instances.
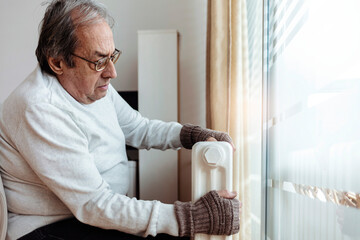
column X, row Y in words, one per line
column 110, row 71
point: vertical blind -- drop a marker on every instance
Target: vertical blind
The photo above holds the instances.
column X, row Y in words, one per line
column 312, row 79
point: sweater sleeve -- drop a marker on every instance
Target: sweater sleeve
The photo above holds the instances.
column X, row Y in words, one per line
column 57, row 151
column 140, row 132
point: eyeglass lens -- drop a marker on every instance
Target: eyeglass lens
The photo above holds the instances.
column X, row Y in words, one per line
column 102, row 63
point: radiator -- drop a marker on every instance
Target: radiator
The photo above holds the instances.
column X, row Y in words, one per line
column 133, row 179
column 211, row 170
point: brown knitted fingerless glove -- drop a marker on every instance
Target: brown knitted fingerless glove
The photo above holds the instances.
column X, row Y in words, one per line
column 211, row 214
column 191, row 134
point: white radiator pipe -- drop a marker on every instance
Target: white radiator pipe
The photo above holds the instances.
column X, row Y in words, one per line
column 211, row 170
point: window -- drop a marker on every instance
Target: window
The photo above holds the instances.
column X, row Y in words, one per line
column 311, row 121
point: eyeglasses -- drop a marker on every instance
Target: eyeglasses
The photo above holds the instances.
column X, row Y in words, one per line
column 103, row 62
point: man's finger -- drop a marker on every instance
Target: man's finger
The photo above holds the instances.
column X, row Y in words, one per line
column 211, row 139
column 227, row 194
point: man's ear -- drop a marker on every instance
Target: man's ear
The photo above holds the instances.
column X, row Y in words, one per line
column 56, row 65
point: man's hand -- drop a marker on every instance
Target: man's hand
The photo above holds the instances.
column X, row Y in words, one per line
column 227, row 194
column 230, row 195
column 211, row 139
column 191, row 134
column 215, row 213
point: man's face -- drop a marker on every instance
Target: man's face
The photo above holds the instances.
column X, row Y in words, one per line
column 83, row 82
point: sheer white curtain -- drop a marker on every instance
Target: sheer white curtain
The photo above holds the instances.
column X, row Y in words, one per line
column 233, row 103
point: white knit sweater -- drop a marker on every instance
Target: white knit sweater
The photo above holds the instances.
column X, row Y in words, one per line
column 60, row 158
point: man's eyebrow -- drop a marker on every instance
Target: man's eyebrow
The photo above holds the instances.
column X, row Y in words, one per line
column 101, row 54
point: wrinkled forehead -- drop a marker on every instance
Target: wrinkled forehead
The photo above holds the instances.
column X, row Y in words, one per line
column 95, row 37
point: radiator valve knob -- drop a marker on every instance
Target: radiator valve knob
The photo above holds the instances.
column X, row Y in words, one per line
column 213, row 156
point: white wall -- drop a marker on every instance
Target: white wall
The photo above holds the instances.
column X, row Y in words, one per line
column 19, row 32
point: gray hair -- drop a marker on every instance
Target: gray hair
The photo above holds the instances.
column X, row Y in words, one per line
column 58, row 29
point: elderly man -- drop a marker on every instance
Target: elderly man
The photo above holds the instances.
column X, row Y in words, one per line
column 62, row 146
